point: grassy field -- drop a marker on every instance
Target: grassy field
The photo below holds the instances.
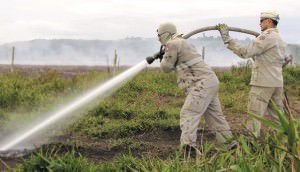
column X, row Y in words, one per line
column 137, row 128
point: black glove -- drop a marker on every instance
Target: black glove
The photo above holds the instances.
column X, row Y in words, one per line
column 159, row 55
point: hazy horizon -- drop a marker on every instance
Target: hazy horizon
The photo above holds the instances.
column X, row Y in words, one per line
column 96, row 52
column 113, row 20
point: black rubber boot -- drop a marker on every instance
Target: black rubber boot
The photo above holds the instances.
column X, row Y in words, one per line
column 232, row 145
column 190, row 152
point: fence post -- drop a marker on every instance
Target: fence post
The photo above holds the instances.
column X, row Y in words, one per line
column 115, row 62
column 118, row 64
column 203, row 53
column 108, row 67
column 12, row 59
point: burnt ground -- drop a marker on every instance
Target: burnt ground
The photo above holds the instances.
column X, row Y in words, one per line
column 161, row 143
column 64, row 71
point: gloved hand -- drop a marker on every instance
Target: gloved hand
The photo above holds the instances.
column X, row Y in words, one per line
column 159, row 55
column 224, row 31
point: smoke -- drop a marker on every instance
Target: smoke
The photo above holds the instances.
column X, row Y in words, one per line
column 97, row 52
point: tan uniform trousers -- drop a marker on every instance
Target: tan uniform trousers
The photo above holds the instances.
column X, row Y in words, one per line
column 203, row 102
column 260, row 103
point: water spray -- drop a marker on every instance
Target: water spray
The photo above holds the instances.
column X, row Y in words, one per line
column 76, row 104
column 99, row 91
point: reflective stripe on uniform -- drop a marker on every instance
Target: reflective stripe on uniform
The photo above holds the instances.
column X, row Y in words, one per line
column 188, row 63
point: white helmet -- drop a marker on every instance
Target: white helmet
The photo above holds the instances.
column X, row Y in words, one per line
column 270, row 14
column 165, row 32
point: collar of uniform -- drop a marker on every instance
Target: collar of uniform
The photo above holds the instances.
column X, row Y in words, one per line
column 176, row 35
column 270, row 30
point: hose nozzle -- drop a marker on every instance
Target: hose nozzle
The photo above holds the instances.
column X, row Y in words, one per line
column 150, row 59
column 158, row 55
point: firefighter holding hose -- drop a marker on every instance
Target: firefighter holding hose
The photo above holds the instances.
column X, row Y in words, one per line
column 199, row 83
column 267, row 51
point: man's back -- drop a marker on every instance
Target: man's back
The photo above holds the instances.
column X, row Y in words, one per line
column 191, row 69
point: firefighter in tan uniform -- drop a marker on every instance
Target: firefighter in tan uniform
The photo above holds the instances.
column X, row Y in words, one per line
column 267, row 52
column 199, row 83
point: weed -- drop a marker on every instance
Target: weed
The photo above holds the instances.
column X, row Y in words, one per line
column 52, row 161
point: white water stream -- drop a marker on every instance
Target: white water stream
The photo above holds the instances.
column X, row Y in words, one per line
column 79, row 102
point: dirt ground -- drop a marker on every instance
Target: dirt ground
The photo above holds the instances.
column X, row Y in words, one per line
column 161, row 143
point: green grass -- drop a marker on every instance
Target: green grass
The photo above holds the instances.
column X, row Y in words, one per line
column 153, row 101
column 54, row 161
column 150, row 102
column 23, row 97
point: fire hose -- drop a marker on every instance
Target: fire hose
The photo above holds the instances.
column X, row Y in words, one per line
column 234, row 29
column 159, row 54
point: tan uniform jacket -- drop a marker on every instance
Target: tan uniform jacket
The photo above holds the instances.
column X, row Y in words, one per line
column 177, row 53
column 267, row 51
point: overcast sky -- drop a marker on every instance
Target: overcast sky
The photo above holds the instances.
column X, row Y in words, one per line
column 112, row 19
